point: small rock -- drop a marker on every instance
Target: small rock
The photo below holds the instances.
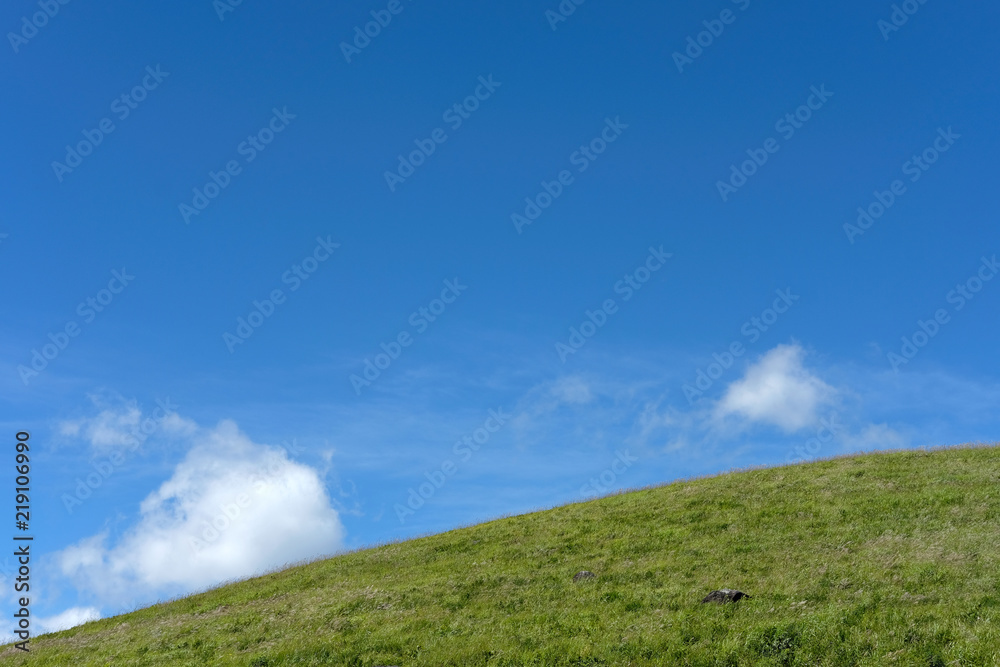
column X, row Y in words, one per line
column 724, row 595
column 583, row 574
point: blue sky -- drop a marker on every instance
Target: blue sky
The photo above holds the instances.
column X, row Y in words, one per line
column 618, row 257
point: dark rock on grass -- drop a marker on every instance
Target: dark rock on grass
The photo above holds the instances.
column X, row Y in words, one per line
column 724, row 596
column 583, row 575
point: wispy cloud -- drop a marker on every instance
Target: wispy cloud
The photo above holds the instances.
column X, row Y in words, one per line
column 572, row 390
column 112, row 427
column 122, row 423
column 874, row 436
column 70, row 618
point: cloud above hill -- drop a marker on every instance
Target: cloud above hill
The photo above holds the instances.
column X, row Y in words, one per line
column 231, row 508
column 777, row 390
column 68, row 619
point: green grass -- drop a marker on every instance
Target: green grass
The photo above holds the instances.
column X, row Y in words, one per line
column 882, row 559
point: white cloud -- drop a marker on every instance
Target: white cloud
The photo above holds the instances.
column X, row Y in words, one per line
column 232, row 508
column 65, row 620
column 68, row 619
column 70, row 428
column 174, row 424
column 111, row 427
column 572, row 391
column 875, row 436
column 777, row 390
column 122, row 423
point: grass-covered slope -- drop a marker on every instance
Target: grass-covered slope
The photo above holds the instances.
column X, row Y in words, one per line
column 886, row 559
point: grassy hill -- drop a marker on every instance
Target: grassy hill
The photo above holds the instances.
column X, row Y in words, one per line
column 883, row 559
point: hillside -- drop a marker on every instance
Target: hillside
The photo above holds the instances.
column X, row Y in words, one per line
column 878, row 559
